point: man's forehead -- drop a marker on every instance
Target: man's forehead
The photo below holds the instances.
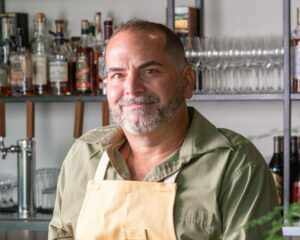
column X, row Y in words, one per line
column 137, row 36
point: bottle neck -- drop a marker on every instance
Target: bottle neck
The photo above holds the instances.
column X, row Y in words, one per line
column 40, row 29
column 278, row 145
column 84, row 38
column 5, row 33
column 59, row 39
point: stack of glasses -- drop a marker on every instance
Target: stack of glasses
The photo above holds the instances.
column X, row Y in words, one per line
column 236, row 64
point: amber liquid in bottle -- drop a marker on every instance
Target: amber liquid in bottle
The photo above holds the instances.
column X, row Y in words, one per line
column 85, row 77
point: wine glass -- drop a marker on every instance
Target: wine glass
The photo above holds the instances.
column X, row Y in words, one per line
column 193, row 46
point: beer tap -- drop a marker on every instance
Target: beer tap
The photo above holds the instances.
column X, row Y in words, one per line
column 25, row 161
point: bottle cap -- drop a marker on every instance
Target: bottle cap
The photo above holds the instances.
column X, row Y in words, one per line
column 39, row 17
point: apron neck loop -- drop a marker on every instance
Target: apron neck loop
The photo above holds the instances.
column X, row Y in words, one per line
column 103, row 164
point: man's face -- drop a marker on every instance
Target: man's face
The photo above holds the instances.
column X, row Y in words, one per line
column 144, row 86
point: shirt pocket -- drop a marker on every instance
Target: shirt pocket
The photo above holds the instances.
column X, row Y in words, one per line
column 193, row 224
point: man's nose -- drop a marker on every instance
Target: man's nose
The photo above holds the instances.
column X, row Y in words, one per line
column 134, row 84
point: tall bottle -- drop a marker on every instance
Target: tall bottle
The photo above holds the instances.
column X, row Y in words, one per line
column 295, row 56
column 7, row 45
column 276, row 166
column 99, row 54
column 40, row 49
column 108, row 31
column 58, row 63
column 85, row 78
column 20, row 67
column 295, row 165
column 108, row 28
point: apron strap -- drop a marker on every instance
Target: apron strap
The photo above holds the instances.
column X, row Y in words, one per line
column 103, row 163
column 102, row 166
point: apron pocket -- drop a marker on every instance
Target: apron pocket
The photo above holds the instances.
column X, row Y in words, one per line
column 134, row 234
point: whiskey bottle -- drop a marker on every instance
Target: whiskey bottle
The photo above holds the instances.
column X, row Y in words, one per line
column 40, row 49
column 20, row 67
column 276, row 166
column 85, row 78
column 58, row 63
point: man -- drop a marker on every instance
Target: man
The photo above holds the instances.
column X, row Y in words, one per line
column 165, row 171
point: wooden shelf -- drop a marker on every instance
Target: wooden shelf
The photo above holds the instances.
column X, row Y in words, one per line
column 73, row 98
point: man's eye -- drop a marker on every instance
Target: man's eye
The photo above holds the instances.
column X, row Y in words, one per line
column 150, row 72
column 116, row 76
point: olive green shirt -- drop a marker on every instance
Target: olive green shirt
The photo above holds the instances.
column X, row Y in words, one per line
column 223, row 181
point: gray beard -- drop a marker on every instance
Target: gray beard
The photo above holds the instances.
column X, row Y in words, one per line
column 147, row 121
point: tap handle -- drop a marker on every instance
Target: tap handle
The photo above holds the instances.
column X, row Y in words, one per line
column 30, row 119
column 105, row 113
column 78, row 123
column 2, row 119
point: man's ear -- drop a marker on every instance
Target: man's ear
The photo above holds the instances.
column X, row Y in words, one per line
column 189, row 78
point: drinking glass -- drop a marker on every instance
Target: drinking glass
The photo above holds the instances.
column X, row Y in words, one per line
column 193, row 46
column 8, row 183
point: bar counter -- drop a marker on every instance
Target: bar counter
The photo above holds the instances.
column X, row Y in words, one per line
column 33, row 228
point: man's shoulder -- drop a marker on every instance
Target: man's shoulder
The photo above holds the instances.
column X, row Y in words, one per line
column 244, row 152
column 235, row 139
column 102, row 135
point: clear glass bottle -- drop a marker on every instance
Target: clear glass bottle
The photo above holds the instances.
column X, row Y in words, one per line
column 40, row 49
column 58, row 63
column 7, row 45
column 85, row 78
column 99, row 55
column 20, row 67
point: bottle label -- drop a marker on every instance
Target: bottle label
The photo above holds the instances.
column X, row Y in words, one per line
column 39, row 73
column 279, row 186
column 58, row 72
column 82, row 74
column 21, row 70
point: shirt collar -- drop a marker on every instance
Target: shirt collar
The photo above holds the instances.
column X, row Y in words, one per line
column 202, row 137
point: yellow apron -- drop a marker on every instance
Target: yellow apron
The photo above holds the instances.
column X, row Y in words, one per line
column 126, row 210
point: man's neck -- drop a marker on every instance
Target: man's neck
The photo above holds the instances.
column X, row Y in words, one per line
column 150, row 149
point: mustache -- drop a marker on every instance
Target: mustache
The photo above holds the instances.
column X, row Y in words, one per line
column 138, row 100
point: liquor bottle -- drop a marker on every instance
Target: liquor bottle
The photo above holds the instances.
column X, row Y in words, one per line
column 20, row 67
column 295, row 175
column 58, row 63
column 295, row 56
column 276, row 166
column 99, row 54
column 74, row 43
column 108, row 28
column 7, row 45
column 85, row 78
column 108, row 31
column 40, row 49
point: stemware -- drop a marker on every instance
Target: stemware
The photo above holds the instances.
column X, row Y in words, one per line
column 193, row 46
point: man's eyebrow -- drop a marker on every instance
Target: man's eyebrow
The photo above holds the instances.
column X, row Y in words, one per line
column 150, row 63
column 115, row 69
column 143, row 65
